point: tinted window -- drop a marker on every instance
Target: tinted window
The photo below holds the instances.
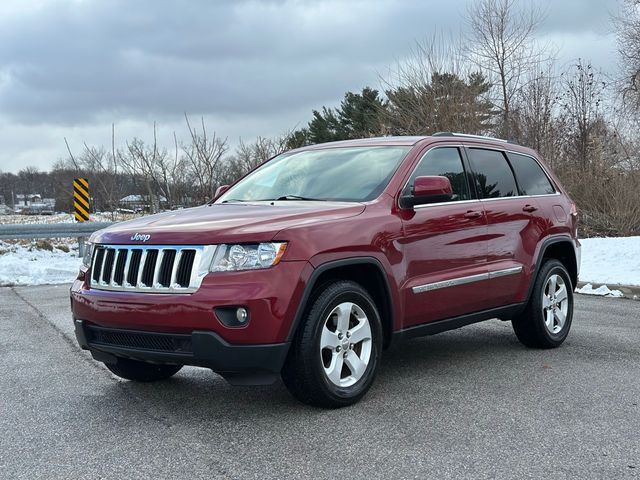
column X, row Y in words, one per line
column 493, row 174
column 531, row 178
column 347, row 174
column 443, row 162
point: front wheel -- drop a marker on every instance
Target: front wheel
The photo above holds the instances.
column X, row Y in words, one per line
column 546, row 320
column 335, row 354
column 141, row 371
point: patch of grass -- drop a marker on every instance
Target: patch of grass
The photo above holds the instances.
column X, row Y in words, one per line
column 44, row 245
column 63, row 247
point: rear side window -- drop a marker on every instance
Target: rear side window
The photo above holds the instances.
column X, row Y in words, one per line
column 493, row 173
column 443, row 162
column 531, row 178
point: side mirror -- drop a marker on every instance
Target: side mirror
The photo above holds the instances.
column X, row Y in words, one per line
column 220, row 190
column 428, row 190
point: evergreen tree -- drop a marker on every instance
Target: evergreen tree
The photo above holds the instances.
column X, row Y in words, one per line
column 446, row 103
column 325, row 127
column 360, row 113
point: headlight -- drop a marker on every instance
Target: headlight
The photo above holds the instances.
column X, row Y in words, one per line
column 88, row 254
column 247, row 257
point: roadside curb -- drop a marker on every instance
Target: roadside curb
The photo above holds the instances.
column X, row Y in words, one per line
column 630, row 291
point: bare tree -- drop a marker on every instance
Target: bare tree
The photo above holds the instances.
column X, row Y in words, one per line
column 248, row 156
column 627, row 24
column 28, row 180
column 203, row 157
column 582, row 105
column 501, row 42
column 536, row 122
column 146, row 161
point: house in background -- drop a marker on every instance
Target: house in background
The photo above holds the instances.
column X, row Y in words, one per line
column 140, row 203
column 26, row 200
column 34, row 204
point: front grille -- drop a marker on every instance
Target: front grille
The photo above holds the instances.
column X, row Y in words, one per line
column 153, row 269
column 160, row 342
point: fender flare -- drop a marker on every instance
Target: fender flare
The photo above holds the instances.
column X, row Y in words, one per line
column 343, row 262
column 546, row 243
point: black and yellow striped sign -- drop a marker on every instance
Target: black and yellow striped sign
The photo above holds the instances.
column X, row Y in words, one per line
column 81, row 199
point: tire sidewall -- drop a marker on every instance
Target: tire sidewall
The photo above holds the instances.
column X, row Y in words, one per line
column 354, row 295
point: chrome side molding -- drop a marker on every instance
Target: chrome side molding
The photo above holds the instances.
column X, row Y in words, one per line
column 464, row 280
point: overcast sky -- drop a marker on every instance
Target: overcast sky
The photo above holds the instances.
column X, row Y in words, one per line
column 72, row 67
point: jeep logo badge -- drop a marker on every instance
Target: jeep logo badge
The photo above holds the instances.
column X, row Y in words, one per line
column 140, row 237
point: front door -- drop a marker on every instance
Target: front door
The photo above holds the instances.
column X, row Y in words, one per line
column 514, row 227
column 444, row 246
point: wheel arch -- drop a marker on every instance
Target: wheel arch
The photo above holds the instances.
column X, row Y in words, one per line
column 366, row 271
column 561, row 248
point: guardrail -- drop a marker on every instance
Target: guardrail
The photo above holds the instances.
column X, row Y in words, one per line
column 52, row 230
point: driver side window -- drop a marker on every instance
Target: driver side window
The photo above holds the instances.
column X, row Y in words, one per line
column 443, row 162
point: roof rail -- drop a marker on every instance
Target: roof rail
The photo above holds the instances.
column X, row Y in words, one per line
column 467, row 135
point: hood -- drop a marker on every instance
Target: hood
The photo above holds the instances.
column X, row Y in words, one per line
column 224, row 223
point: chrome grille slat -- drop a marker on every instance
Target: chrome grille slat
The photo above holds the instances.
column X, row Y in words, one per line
column 116, row 254
column 174, row 270
column 151, row 268
column 143, row 261
column 127, row 264
column 156, row 270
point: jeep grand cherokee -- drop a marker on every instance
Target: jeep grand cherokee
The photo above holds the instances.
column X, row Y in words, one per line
column 313, row 263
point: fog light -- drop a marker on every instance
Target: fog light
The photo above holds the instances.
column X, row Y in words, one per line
column 233, row 316
column 242, row 314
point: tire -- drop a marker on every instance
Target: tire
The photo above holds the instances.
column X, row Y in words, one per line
column 541, row 324
column 141, row 371
column 336, row 351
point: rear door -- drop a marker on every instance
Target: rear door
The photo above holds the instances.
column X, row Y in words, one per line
column 533, row 183
column 513, row 226
column 444, row 245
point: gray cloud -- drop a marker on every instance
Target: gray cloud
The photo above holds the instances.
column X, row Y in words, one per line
column 251, row 67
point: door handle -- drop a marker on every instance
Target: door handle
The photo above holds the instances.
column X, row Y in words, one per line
column 473, row 214
column 529, row 208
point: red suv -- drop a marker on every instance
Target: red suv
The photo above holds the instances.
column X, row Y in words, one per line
column 312, row 264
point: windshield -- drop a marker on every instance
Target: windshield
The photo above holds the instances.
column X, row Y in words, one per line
column 353, row 174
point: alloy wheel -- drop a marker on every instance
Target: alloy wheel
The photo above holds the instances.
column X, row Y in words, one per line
column 555, row 303
column 345, row 344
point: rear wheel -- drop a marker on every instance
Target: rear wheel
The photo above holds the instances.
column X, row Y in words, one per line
column 335, row 355
column 546, row 321
column 141, row 371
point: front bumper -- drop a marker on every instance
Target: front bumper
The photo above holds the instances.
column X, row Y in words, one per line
column 243, row 364
column 271, row 296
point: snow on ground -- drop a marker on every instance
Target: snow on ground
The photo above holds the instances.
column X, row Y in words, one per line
column 602, row 291
column 611, row 260
column 65, row 218
column 23, row 263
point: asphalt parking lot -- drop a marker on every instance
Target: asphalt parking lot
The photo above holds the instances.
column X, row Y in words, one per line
column 471, row 403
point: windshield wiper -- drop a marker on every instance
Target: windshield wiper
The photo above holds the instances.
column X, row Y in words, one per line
column 298, row 197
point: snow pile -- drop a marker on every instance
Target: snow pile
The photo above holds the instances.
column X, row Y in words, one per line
column 602, row 291
column 611, row 260
column 30, row 265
